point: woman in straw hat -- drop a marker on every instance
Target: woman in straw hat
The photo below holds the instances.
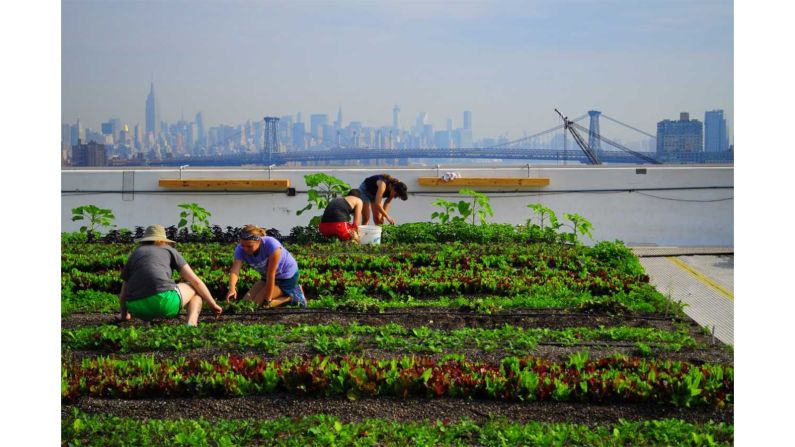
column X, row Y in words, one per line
column 279, row 270
column 148, row 290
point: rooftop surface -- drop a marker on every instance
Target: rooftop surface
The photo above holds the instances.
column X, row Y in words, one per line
column 700, row 277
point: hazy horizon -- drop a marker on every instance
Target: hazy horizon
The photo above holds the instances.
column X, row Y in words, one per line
column 510, row 63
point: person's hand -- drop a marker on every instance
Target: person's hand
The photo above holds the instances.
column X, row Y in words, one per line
column 232, row 293
column 217, row 310
column 122, row 318
column 390, row 220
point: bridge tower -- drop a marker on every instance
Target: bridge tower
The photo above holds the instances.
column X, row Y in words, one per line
column 593, row 139
column 271, row 135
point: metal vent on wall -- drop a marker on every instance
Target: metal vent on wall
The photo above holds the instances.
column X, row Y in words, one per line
column 128, row 186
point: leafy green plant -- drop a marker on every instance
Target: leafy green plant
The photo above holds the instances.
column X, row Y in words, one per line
column 579, row 225
column 544, row 214
column 642, row 349
column 322, row 188
column 96, row 218
column 79, row 428
column 195, row 215
column 448, row 208
column 479, row 207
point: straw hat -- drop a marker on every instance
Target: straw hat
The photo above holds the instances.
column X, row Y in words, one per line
column 154, row 233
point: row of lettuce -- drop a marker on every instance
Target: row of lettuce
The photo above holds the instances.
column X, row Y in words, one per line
column 84, row 429
column 513, row 275
column 334, row 338
column 403, row 233
column 615, row 379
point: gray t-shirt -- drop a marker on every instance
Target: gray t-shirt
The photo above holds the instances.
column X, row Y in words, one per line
column 148, row 270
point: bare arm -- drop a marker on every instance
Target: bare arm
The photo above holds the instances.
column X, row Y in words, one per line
column 123, row 302
column 270, row 275
column 234, row 275
column 377, row 206
column 187, row 274
column 357, row 213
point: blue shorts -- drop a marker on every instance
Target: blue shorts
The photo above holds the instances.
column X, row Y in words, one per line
column 291, row 288
column 366, row 198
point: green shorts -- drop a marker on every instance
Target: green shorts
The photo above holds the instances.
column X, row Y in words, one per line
column 160, row 305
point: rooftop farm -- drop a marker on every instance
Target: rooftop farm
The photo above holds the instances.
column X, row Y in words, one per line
column 445, row 334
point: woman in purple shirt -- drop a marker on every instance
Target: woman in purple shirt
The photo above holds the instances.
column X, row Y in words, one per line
column 279, row 283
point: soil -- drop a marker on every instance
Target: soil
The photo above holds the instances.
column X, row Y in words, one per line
column 436, row 318
column 390, row 408
column 417, row 409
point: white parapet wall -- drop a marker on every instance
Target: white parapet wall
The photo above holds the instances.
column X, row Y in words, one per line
column 669, row 205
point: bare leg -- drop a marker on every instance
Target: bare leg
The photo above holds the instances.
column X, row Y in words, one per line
column 258, row 287
column 194, row 307
column 365, row 213
column 191, row 301
column 277, row 297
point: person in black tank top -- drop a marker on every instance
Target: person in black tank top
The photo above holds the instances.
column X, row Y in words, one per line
column 377, row 188
column 337, row 215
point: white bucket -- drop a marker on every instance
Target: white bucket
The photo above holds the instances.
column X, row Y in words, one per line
column 369, row 234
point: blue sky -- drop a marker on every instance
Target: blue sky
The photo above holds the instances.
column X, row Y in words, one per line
column 509, row 62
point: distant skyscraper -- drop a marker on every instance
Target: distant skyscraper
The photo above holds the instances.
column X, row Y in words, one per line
column 450, row 125
column 467, row 120
column 427, row 135
column 89, row 154
column 152, row 122
column 76, row 133
column 419, row 127
column 338, row 123
column 66, row 133
column 201, row 136
column 464, row 138
column 316, row 123
column 396, row 117
column 112, row 128
column 138, row 137
column 680, row 136
column 715, row 135
column 299, row 136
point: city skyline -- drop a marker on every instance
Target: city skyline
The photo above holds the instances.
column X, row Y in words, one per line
column 510, row 63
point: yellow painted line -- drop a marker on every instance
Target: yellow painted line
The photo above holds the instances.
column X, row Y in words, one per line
column 701, row 277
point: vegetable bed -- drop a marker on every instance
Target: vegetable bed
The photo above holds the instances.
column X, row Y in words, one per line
column 516, row 343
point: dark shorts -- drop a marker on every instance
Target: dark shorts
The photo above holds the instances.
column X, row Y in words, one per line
column 366, row 198
column 291, row 288
column 342, row 230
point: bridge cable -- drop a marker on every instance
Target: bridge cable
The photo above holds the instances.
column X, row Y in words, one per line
column 619, row 146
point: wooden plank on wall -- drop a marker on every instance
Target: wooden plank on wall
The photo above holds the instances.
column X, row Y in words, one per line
column 222, row 184
column 485, row 181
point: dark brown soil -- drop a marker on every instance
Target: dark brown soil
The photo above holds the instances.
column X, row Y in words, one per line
column 412, row 409
column 436, row 318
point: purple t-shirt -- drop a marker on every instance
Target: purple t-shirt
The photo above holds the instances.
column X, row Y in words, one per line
column 287, row 267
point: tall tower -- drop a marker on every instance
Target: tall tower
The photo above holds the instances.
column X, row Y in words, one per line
column 467, row 120
column 593, row 133
column 271, row 135
column 200, row 134
column 338, row 124
column 152, row 120
column 715, row 135
column 395, row 117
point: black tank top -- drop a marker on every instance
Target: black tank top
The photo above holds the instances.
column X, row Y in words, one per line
column 372, row 185
column 338, row 210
